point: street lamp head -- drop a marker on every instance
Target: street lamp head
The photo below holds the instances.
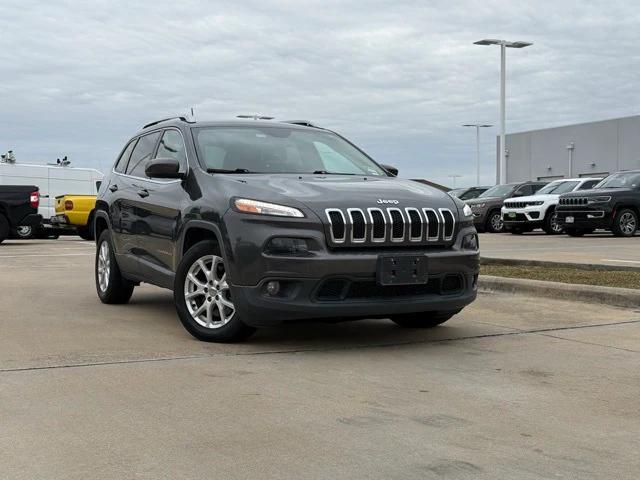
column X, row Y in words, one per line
column 518, row 44
column 488, row 41
column 506, row 43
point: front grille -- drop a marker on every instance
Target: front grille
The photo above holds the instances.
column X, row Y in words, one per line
column 334, row 290
column 515, row 204
column 390, row 226
column 573, row 201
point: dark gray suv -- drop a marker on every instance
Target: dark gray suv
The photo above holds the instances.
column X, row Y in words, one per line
column 255, row 223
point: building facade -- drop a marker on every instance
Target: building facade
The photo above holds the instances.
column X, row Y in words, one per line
column 582, row 150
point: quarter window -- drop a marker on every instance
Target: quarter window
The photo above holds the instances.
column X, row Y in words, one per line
column 172, row 146
column 142, row 154
column 121, row 164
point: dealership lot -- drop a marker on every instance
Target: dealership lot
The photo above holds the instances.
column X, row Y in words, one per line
column 511, row 388
column 599, row 248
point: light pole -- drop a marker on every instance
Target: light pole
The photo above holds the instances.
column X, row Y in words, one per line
column 454, row 176
column 478, row 127
column 504, row 44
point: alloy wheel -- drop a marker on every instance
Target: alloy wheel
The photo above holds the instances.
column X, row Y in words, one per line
column 24, row 231
column 104, row 266
column 628, row 223
column 207, row 294
column 555, row 226
column 496, row 222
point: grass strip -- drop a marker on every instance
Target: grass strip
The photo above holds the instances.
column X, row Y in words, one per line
column 602, row 277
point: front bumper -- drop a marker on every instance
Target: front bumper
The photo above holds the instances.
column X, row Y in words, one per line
column 585, row 218
column 304, row 280
column 522, row 217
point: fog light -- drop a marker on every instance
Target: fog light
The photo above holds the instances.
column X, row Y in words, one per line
column 470, row 242
column 273, row 288
column 287, row 246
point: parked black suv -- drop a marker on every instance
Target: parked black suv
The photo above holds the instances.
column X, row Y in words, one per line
column 614, row 204
column 254, row 223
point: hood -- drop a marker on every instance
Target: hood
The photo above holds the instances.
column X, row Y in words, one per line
column 534, row 198
column 597, row 192
column 318, row 192
column 478, row 201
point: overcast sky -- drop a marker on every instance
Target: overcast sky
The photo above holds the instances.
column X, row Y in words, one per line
column 397, row 77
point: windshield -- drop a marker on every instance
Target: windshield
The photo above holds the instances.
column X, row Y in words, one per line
column 498, row 191
column 457, row 192
column 279, row 150
column 471, row 194
column 621, row 180
column 558, row 188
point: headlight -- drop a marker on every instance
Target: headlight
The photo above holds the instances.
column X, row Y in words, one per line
column 466, row 211
column 598, row 200
column 479, row 205
column 534, row 204
column 263, row 208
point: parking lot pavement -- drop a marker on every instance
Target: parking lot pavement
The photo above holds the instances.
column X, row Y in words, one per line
column 511, row 388
column 597, row 249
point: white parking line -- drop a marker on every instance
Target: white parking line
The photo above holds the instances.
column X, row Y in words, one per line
column 47, row 255
column 619, row 261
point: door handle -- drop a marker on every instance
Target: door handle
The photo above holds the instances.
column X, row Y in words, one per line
column 113, row 188
column 143, row 192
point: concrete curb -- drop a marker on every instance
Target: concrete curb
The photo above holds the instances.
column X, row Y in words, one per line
column 511, row 262
column 618, row 297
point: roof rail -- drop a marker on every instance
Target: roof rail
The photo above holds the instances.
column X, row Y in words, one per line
column 183, row 119
column 304, row 123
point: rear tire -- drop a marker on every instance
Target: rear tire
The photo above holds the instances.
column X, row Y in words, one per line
column 625, row 223
column 422, row 319
column 111, row 286
column 203, row 298
column 87, row 232
column 4, row 228
column 494, row 222
column 25, row 232
column 551, row 225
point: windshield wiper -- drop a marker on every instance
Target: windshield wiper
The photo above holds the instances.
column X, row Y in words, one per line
column 325, row 172
column 224, row 170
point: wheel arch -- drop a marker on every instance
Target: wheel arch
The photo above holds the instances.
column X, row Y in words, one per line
column 196, row 231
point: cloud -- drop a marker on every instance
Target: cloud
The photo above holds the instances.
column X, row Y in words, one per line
column 399, row 78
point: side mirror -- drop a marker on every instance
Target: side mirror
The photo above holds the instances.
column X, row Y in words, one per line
column 390, row 169
column 163, row 168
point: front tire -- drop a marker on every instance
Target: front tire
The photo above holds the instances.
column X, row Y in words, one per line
column 203, row 296
column 625, row 223
column 495, row 223
column 111, row 286
column 551, row 225
column 422, row 319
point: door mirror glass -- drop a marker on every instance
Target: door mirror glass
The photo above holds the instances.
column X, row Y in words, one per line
column 391, row 169
column 163, row 168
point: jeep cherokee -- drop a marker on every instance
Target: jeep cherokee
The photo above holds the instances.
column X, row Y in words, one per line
column 255, row 223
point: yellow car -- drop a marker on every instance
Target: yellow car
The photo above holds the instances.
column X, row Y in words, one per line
column 75, row 212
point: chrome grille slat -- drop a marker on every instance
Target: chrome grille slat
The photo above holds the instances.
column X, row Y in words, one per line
column 390, row 226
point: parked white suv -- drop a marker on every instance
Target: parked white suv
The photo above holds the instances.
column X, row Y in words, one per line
column 523, row 214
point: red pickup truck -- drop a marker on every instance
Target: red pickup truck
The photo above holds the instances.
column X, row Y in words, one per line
column 18, row 207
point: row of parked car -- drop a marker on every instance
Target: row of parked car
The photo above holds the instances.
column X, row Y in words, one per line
column 574, row 206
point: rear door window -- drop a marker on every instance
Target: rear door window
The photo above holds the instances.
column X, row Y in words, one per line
column 141, row 154
column 121, row 164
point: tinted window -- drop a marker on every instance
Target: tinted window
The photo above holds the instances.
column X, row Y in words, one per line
column 121, row 165
column 536, row 186
column 588, row 185
column 141, row 154
column 172, row 146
